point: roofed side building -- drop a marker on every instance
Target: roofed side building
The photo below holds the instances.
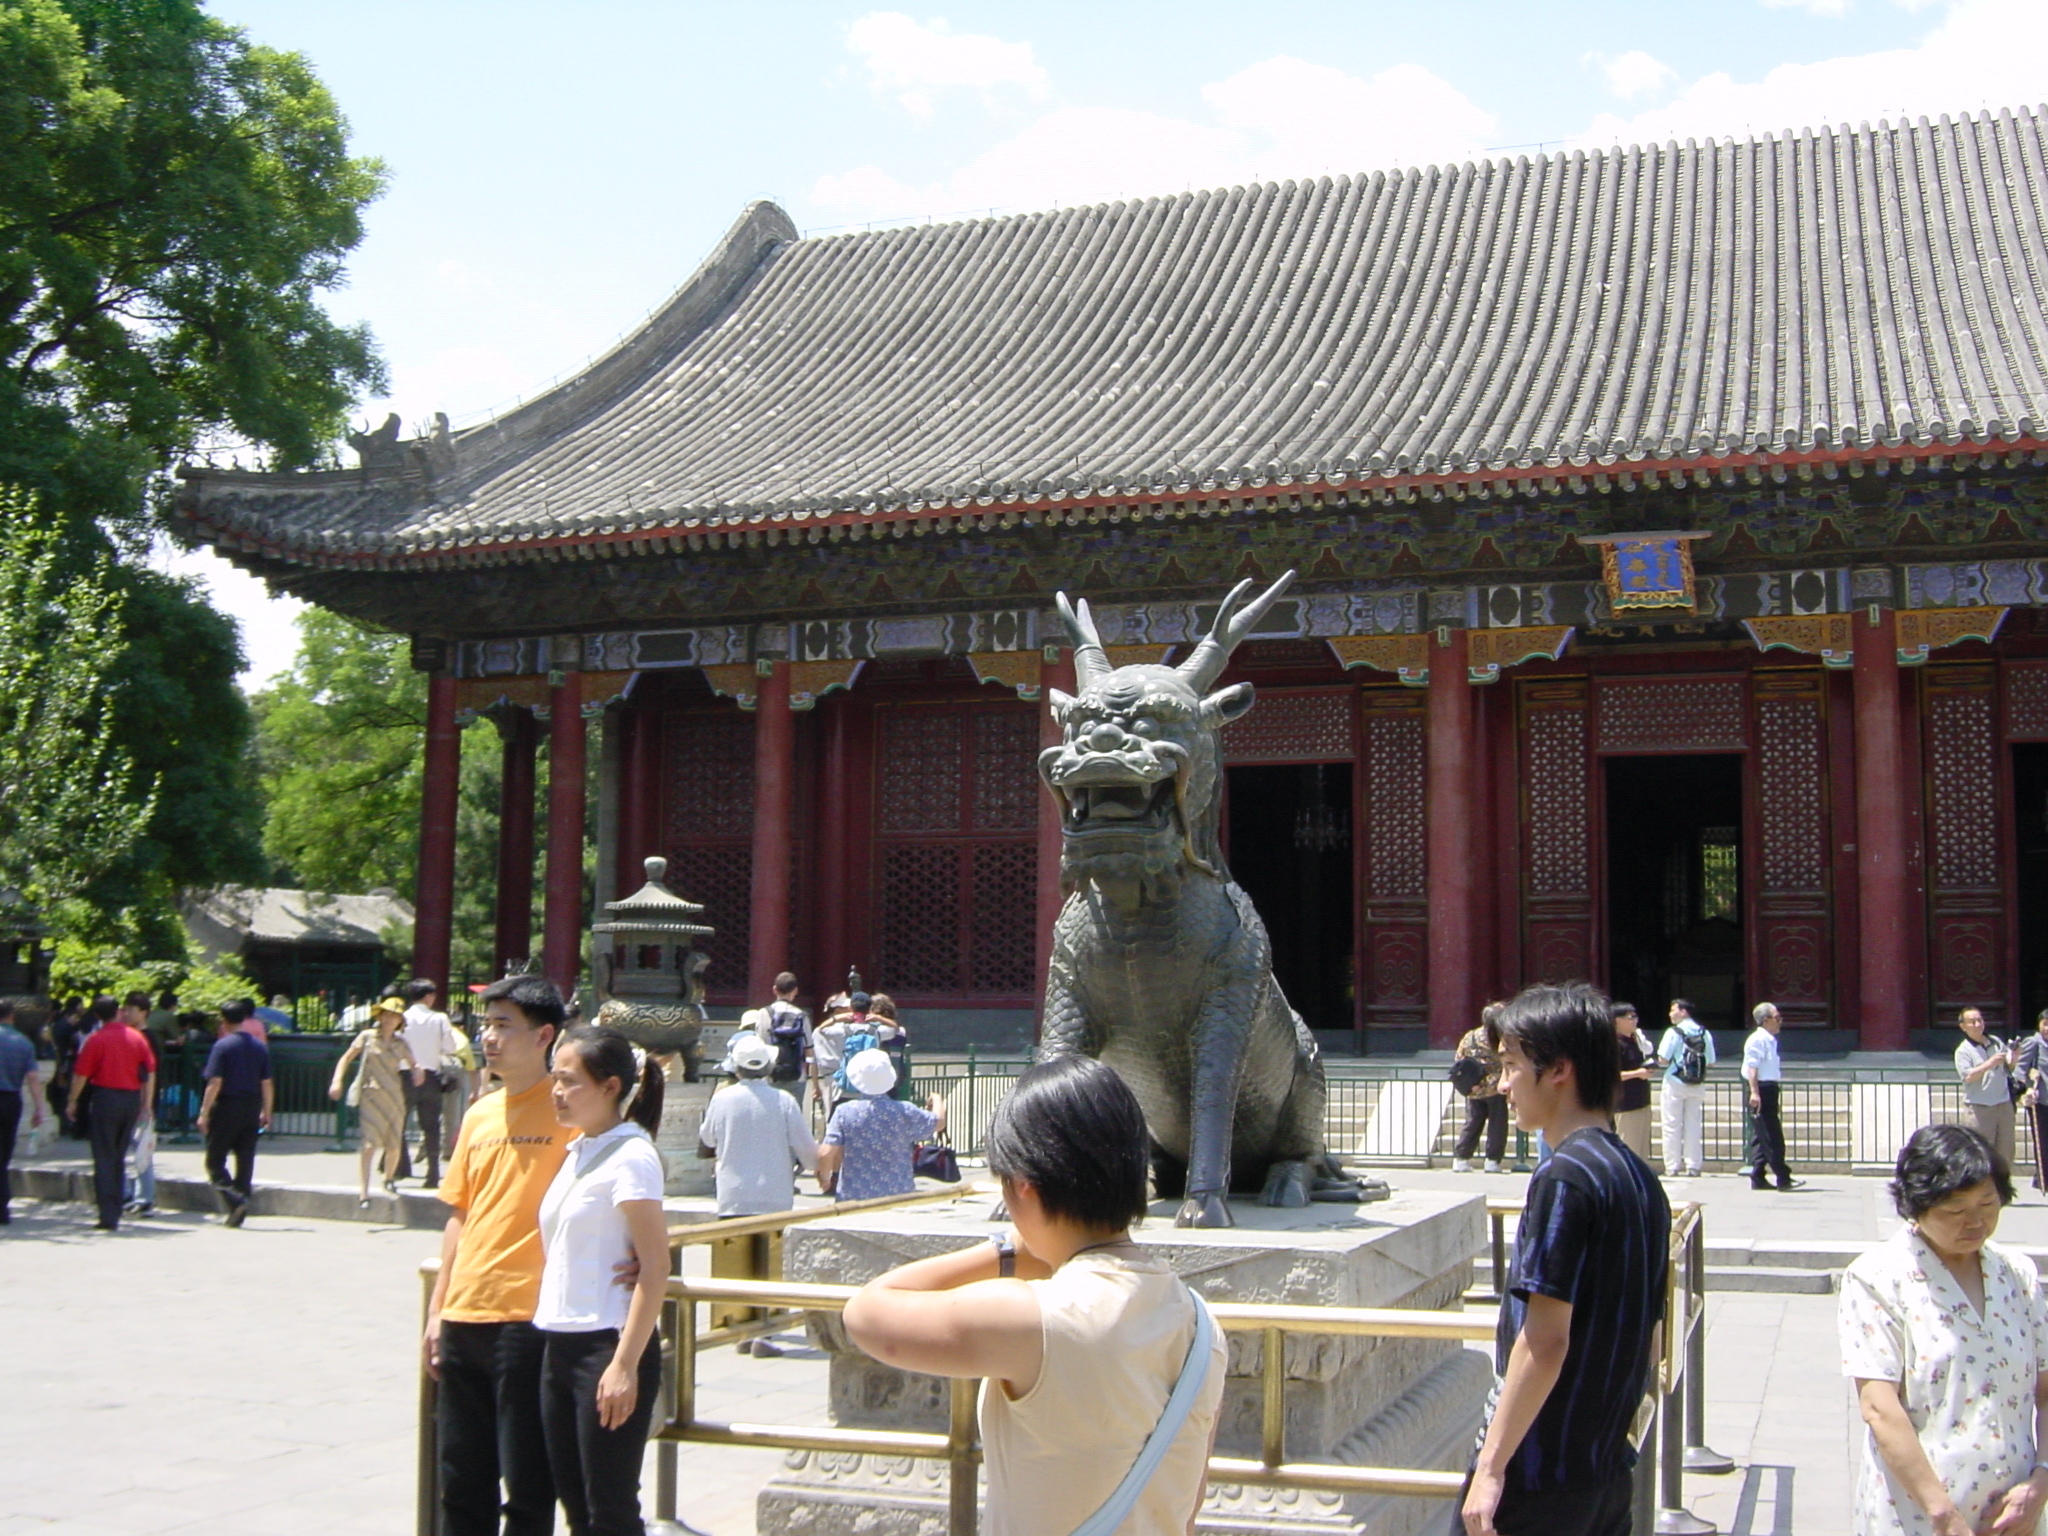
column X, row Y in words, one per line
column 1671, row 528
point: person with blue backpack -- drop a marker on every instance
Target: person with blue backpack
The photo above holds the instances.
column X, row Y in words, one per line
column 1686, row 1051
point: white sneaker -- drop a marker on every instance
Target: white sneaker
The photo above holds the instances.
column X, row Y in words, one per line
column 1461, row 1165
column 1493, row 1168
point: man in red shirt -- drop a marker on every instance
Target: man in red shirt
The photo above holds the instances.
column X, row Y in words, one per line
column 119, row 1063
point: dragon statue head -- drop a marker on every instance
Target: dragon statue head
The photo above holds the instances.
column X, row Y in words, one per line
column 1136, row 773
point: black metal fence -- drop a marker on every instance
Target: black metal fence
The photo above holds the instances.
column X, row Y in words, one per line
column 1408, row 1115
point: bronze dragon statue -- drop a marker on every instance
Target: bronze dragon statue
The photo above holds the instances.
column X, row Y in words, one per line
column 1160, row 966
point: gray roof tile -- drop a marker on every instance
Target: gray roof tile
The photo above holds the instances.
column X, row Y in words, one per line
column 1662, row 307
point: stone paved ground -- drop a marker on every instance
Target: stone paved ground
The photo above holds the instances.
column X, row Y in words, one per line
column 179, row 1376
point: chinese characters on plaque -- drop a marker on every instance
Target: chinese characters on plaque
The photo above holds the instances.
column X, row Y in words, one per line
column 1646, row 570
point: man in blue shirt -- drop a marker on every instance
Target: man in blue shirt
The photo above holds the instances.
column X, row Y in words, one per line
column 236, row 1108
column 18, row 1077
column 1587, row 1292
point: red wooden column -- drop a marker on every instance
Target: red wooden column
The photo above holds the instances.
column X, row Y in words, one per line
column 434, row 888
column 833, row 951
column 774, row 812
column 1881, row 840
column 1452, row 878
column 1052, row 674
column 562, row 914
column 513, row 916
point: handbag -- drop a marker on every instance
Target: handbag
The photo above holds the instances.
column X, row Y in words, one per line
column 1179, row 1403
column 935, row 1160
column 1467, row 1073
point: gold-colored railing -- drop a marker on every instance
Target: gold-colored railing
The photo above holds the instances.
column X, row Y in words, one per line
column 740, row 1307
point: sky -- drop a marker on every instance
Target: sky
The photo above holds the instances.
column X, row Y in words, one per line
column 556, row 172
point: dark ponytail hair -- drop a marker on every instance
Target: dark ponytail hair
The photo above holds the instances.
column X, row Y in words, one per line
column 605, row 1053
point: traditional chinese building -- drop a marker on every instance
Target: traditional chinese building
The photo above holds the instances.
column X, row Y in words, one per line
column 1672, row 529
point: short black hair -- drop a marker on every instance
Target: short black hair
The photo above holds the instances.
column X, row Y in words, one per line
column 167, row 999
column 104, row 1008
column 1617, row 1009
column 237, row 1010
column 419, row 990
column 1575, row 1023
column 786, row 982
column 1073, row 1131
column 6, row 1009
column 534, row 996
column 136, row 1000
column 1679, row 1002
column 1939, row 1160
column 859, row 1002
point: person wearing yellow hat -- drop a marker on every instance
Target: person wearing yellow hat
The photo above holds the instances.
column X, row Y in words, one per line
column 379, row 1091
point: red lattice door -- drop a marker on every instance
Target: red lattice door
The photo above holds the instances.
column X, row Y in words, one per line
column 1559, row 893
column 1396, row 880
column 1966, row 897
column 707, row 820
column 1791, row 960
column 956, row 856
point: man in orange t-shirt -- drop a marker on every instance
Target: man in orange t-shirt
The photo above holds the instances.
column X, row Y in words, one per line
column 480, row 1343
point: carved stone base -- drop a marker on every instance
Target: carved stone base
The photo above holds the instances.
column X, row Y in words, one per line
column 682, row 1113
column 1359, row 1402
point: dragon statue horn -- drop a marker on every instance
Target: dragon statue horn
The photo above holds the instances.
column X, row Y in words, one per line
column 1090, row 660
column 1232, row 624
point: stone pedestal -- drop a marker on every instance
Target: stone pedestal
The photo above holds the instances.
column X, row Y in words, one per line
column 682, row 1112
column 1356, row 1401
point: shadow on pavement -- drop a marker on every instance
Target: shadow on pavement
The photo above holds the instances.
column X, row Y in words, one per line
column 1776, row 1502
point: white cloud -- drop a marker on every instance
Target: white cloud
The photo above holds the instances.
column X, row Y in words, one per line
column 1982, row 54
column 1833, row 9
column 1333, row 123
column 1634, row 73
column 916, row 62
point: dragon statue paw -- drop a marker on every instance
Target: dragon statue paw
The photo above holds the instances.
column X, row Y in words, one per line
column 1204, row 1210
column 1290, row 1184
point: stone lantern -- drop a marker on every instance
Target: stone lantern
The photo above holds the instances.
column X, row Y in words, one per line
column 649, row 971
column 650, row 978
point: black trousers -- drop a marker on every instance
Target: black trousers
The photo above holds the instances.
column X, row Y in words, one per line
column 111, row 1121
column 1491, row 1115
column 2040, row 1113
column 487, row 1415
column 597, row 1470
column 1767, row 1137
column 232, row 1128
column 10, row 1127
column 424, row 1100
column 1596, row 1509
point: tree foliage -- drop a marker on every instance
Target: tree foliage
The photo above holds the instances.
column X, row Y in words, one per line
column 173, row 202
column 173, row 199
column 67, row 811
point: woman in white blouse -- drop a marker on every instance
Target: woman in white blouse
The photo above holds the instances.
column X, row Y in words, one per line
column 601, row 1371
column 1945, row 1335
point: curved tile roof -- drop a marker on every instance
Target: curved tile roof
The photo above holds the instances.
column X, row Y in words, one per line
column 1641, row 311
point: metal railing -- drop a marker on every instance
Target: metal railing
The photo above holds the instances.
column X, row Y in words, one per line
column 1668, row 1427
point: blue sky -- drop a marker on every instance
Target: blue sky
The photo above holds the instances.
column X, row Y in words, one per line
column 556, row 171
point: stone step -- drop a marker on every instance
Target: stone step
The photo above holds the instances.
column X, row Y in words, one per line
column 1781, row 1279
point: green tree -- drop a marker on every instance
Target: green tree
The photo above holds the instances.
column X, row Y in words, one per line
column 339, row 743
column 67, row 812
column 173, row 202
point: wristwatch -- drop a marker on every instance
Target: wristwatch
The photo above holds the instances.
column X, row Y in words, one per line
column 1006, row 1255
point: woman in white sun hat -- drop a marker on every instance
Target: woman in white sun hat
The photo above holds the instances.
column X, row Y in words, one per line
column 868, row 1145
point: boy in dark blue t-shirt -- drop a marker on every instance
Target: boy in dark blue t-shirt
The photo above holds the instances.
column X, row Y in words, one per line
column 1587, row 1290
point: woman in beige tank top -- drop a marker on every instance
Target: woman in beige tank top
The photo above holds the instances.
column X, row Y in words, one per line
column 1078, row 1333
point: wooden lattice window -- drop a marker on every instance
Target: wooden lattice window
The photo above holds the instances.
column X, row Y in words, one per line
column 707, row 832
column 956, row 866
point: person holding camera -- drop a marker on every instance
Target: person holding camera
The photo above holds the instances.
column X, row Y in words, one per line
column 1985, row 1066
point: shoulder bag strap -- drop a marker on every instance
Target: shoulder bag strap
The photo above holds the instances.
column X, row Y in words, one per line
column 1194, row 1370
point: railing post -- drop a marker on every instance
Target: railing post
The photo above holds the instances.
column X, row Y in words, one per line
column 1500, row 1254
column 665, row 1448
column 427, row 1472
column 1699, row 1456
column 963, row 1494
column 1681, row 1314
column 1644, row 1502
column 1273, row 1410
column 1522, row 1163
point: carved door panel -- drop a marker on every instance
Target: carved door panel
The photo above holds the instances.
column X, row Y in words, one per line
column 707, row 829
column 1790, row 944
column 1396, row 916
column 1559, row 890
column 1966, row 896
column 956, row 852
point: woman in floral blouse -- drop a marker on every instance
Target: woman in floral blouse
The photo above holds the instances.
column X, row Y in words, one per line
column 1945, row 1335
